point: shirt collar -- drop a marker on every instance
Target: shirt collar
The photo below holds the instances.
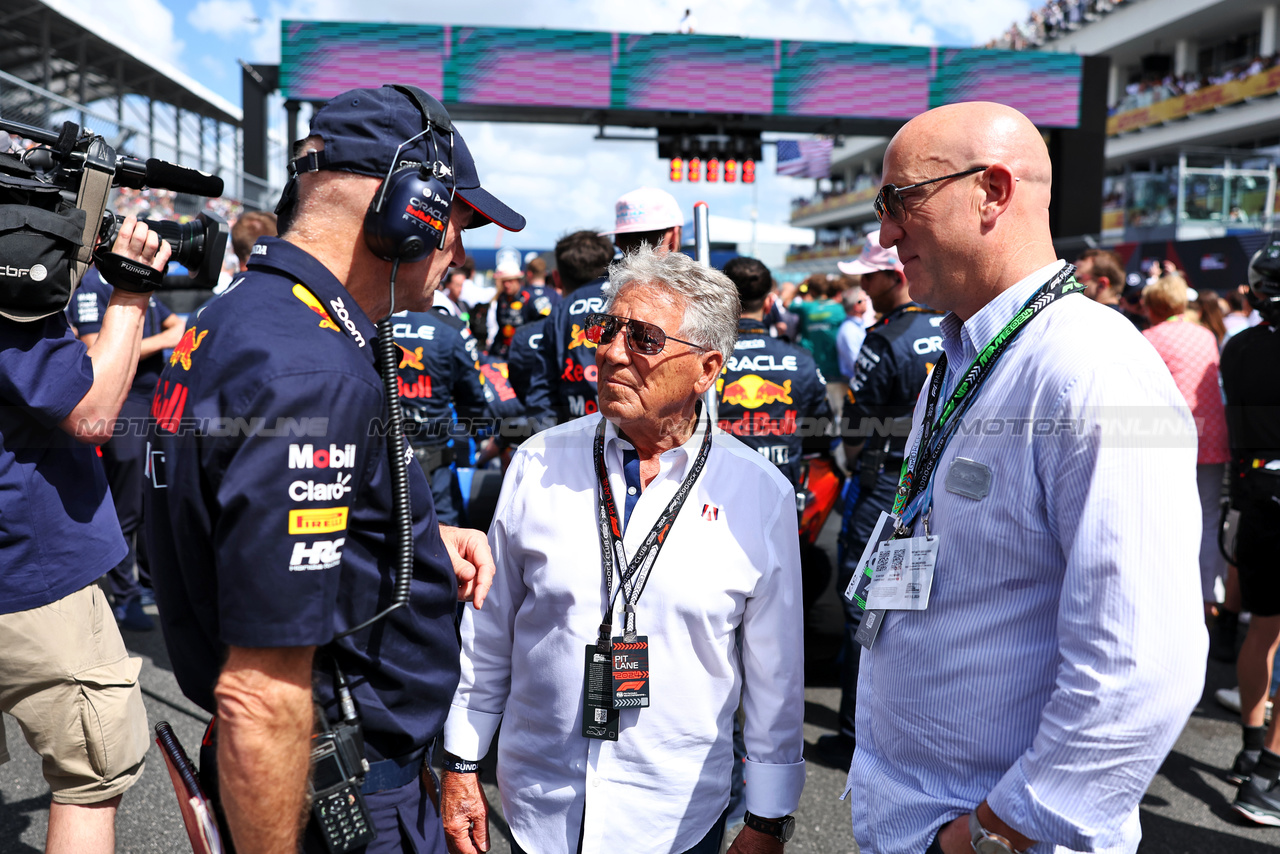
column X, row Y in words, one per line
column 281, row 256
column 680, row 455
column 992, row 317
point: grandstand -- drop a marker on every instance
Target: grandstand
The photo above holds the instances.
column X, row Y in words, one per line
column 1193, row 131
column 57, row 65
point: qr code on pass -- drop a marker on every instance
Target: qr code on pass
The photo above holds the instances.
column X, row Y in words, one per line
column 602, row 715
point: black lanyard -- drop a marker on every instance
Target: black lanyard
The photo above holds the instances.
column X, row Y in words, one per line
column 934, row 435
column 634, row 574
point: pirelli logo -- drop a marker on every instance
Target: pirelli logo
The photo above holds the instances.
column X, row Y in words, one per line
column 319, row 520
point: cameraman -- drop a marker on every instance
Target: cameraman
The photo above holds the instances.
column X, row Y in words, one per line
column 269, row 541
column 64, row 663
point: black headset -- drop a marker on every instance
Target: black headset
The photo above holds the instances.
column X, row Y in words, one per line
column 408, row 216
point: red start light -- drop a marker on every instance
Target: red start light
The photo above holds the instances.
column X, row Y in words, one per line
column 713, row 169
column 730, row 171
column 695, row 169
column 677, row 169
column 748, row 171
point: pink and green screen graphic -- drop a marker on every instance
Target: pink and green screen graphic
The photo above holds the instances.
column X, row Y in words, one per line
column 497, row 67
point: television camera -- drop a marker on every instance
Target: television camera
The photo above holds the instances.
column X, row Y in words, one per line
column 53, row 213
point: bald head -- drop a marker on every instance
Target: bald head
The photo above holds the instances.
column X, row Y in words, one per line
column 967, row 238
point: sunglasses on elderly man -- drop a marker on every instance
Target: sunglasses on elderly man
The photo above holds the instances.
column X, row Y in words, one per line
column 643, row 338
column 889, row 200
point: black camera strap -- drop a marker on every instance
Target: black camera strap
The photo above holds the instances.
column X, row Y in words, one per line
column 634, row 574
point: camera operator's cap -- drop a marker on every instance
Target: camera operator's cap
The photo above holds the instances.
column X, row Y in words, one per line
column 362, row 128
column 645, row 209
column 873, row 259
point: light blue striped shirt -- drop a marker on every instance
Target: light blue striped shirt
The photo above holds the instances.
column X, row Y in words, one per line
column 1064, row 644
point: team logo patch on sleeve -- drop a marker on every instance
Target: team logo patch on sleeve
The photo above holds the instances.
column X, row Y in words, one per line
column 411, row 358
column 309, row 300
column 578, row 338
column 318, row 520
column 190, row 342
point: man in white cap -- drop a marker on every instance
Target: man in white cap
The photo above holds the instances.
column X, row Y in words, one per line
column 890, row 369
column 514, row 305
column 647, row 215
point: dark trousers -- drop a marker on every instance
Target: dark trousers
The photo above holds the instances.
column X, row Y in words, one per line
column 445, row 493
column 124, row 459
column 856, row 528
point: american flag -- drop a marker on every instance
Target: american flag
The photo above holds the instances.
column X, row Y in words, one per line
column 805, row 158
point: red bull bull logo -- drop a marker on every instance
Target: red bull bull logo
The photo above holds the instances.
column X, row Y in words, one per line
column 182, row 353
column 411, row 358
column 752, row 392
column 578, row 338
column 310, row 301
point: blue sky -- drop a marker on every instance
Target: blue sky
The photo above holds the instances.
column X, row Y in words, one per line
column 556, row 175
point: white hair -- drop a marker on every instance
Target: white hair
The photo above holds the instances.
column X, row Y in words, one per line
column 709, row 297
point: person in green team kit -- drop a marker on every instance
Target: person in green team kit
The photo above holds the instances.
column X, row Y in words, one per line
column 820, row 319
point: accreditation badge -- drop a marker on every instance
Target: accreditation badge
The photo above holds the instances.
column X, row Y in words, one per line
column 856, row 592
column 599, row 717
column 631, row 673
column 902, row 575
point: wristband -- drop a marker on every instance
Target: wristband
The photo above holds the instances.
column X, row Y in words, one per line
column 126, row 273
column 460, row 766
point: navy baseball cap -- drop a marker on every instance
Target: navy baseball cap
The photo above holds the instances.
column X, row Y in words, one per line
column 362, row 128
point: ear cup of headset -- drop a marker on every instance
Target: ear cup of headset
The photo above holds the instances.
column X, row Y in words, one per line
column 408, row 216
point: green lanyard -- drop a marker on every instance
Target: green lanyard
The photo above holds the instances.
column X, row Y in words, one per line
column 913, row 492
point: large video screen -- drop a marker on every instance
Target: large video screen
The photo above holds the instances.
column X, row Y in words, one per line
column 492, row 66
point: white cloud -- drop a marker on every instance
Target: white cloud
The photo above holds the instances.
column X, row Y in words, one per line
column 145, row 26
column 223, row 18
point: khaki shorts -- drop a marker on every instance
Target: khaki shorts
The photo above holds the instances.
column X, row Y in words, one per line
column 67, row 678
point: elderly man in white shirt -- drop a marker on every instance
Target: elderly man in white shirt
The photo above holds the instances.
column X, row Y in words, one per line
column 631, row 611
column 1026, row 697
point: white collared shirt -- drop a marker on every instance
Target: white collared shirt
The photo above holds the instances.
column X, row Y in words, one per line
column 731, row 561
column 1064, row 643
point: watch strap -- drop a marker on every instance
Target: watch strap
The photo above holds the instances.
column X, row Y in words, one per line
column 779, row 828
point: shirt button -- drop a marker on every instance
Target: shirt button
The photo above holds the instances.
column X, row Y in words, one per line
column 595, row 781
column 631, row 490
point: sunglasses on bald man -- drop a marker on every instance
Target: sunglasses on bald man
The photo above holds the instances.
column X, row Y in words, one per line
column 889, row 200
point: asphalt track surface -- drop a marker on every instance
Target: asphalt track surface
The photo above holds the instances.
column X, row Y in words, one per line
column 1187, row 809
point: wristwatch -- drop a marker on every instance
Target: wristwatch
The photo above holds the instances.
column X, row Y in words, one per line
column 779, row 828
column 986, row 842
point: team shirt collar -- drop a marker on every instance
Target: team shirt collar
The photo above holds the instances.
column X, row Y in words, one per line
column 281, row 256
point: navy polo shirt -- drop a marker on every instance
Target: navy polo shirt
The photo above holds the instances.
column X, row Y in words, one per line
column 269, row 508
column 58, row 527
column 88, row 307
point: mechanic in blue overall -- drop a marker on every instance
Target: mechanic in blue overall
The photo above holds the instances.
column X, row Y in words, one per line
column 514, row 305
column 443, row 398
column 568, row 369
column 896, row 356
column 771, row 394
column 270, row 517
column 124, row 454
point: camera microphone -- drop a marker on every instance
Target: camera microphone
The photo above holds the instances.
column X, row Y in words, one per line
column 182, row 180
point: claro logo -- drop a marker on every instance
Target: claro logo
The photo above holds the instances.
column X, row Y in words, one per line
column 36, row 272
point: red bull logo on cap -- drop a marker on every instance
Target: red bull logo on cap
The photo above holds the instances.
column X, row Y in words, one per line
column 752, row 392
